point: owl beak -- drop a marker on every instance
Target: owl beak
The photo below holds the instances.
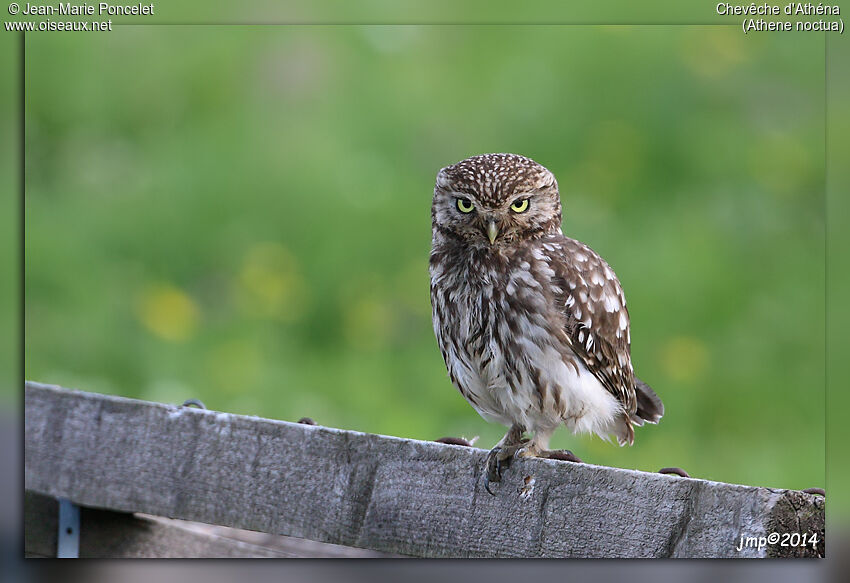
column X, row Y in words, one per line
column 492, row 231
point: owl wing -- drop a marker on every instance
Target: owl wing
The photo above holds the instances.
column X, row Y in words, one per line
column 597, row 321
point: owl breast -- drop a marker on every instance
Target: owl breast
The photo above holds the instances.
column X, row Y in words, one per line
column 501, row 333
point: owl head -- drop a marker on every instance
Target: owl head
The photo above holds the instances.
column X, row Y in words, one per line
column 495, row 199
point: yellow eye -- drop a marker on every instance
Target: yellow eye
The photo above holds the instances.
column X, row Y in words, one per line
column 520, row 206
column 464, row 205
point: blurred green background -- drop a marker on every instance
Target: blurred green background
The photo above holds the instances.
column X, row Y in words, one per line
column 241, row 215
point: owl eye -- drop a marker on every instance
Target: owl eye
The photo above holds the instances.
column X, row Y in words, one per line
column 520, row 206
column 464, row 205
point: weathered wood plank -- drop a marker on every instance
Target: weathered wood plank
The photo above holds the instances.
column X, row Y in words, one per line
column 107, row 534
column 383, row 493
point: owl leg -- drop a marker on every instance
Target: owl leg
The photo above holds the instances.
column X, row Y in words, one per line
column 500, row 456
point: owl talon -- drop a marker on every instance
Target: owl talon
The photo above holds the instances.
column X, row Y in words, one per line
column 496, row 463
column 499, row 459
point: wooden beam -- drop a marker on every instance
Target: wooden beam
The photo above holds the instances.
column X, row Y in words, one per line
column 388, row 494
column 106, row 534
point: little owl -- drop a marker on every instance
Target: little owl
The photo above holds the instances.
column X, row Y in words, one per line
column 532, row 325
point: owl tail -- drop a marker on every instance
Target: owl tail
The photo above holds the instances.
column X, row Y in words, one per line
column 624, row 431
column 650, row 409
column 649, row 405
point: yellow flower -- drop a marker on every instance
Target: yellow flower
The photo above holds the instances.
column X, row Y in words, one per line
column 168, row 312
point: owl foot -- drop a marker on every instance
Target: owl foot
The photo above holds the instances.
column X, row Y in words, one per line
column 499, row 459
